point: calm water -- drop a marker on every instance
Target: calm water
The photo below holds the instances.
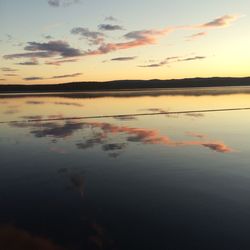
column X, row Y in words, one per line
column 137, row 182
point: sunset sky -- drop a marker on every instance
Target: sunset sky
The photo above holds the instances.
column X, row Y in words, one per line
column 54, row 41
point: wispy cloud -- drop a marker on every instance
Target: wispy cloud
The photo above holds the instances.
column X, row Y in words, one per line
column 149, row 37
column 32, row 62
column 122, row 59
column 138, row 39
column 170, row 60
column 133, row 39
column 220, row 22
column 196, row 36
column 34, row 78
column 60, row 62
column 46, row 50
column 110, row 18
column 66, row 76
column 48, row 37
column 58, row 3
column 109, row 27
column 93, row 37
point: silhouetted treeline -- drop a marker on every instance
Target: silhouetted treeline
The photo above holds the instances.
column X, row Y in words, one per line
column 128, row 85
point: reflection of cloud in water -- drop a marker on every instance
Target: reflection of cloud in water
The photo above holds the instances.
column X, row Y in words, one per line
column 114, row 149
column 58, row 150
column 78, row 183
column 96, row 139
column 219, row 147
column 93, row 237
column 113, row 146
column 56, row 103
column 69, row 104
column 34, row 102
column 32, row 117
column 55, row 116
column 50, row 129
column 12, row 238
column 145, row 136
column 156, row 110
column 196, row 115
column 125, row 118
column 11, row 111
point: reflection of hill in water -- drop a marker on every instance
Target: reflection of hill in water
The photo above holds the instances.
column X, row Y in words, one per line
column 205, row 91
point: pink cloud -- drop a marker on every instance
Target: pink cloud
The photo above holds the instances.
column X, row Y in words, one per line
column 220, row 22
column 138, row 38
column 196, row 36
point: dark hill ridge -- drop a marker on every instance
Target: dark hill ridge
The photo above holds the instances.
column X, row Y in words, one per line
column 128, row 85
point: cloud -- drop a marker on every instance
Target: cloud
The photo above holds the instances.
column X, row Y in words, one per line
column 138, row 39
column 149, row 37
column 6, row 69
column 66, row 76
column 110, row 18
column 196, row 36
column 93, row 37
column 33, row 78
column 110, row 27
column 121, row 59
column 170, row 60
column 29, row 55
column 192, row 58
column 60, row 62
column 58, row 3
column 32, row 62
column 220, row 22
column 48, row 37
column 46, row 50
column 60, row 47
column 2, row 79
column 132, row 40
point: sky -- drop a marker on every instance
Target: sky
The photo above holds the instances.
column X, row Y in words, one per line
column 55, row 41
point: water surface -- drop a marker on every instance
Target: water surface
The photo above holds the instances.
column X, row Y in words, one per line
column 132, row 182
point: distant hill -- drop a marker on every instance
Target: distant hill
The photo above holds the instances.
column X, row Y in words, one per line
column 128, row 85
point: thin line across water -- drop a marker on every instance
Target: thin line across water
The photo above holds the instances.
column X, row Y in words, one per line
column 127, row 115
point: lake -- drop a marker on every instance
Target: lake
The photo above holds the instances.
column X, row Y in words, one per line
column 106, row 171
